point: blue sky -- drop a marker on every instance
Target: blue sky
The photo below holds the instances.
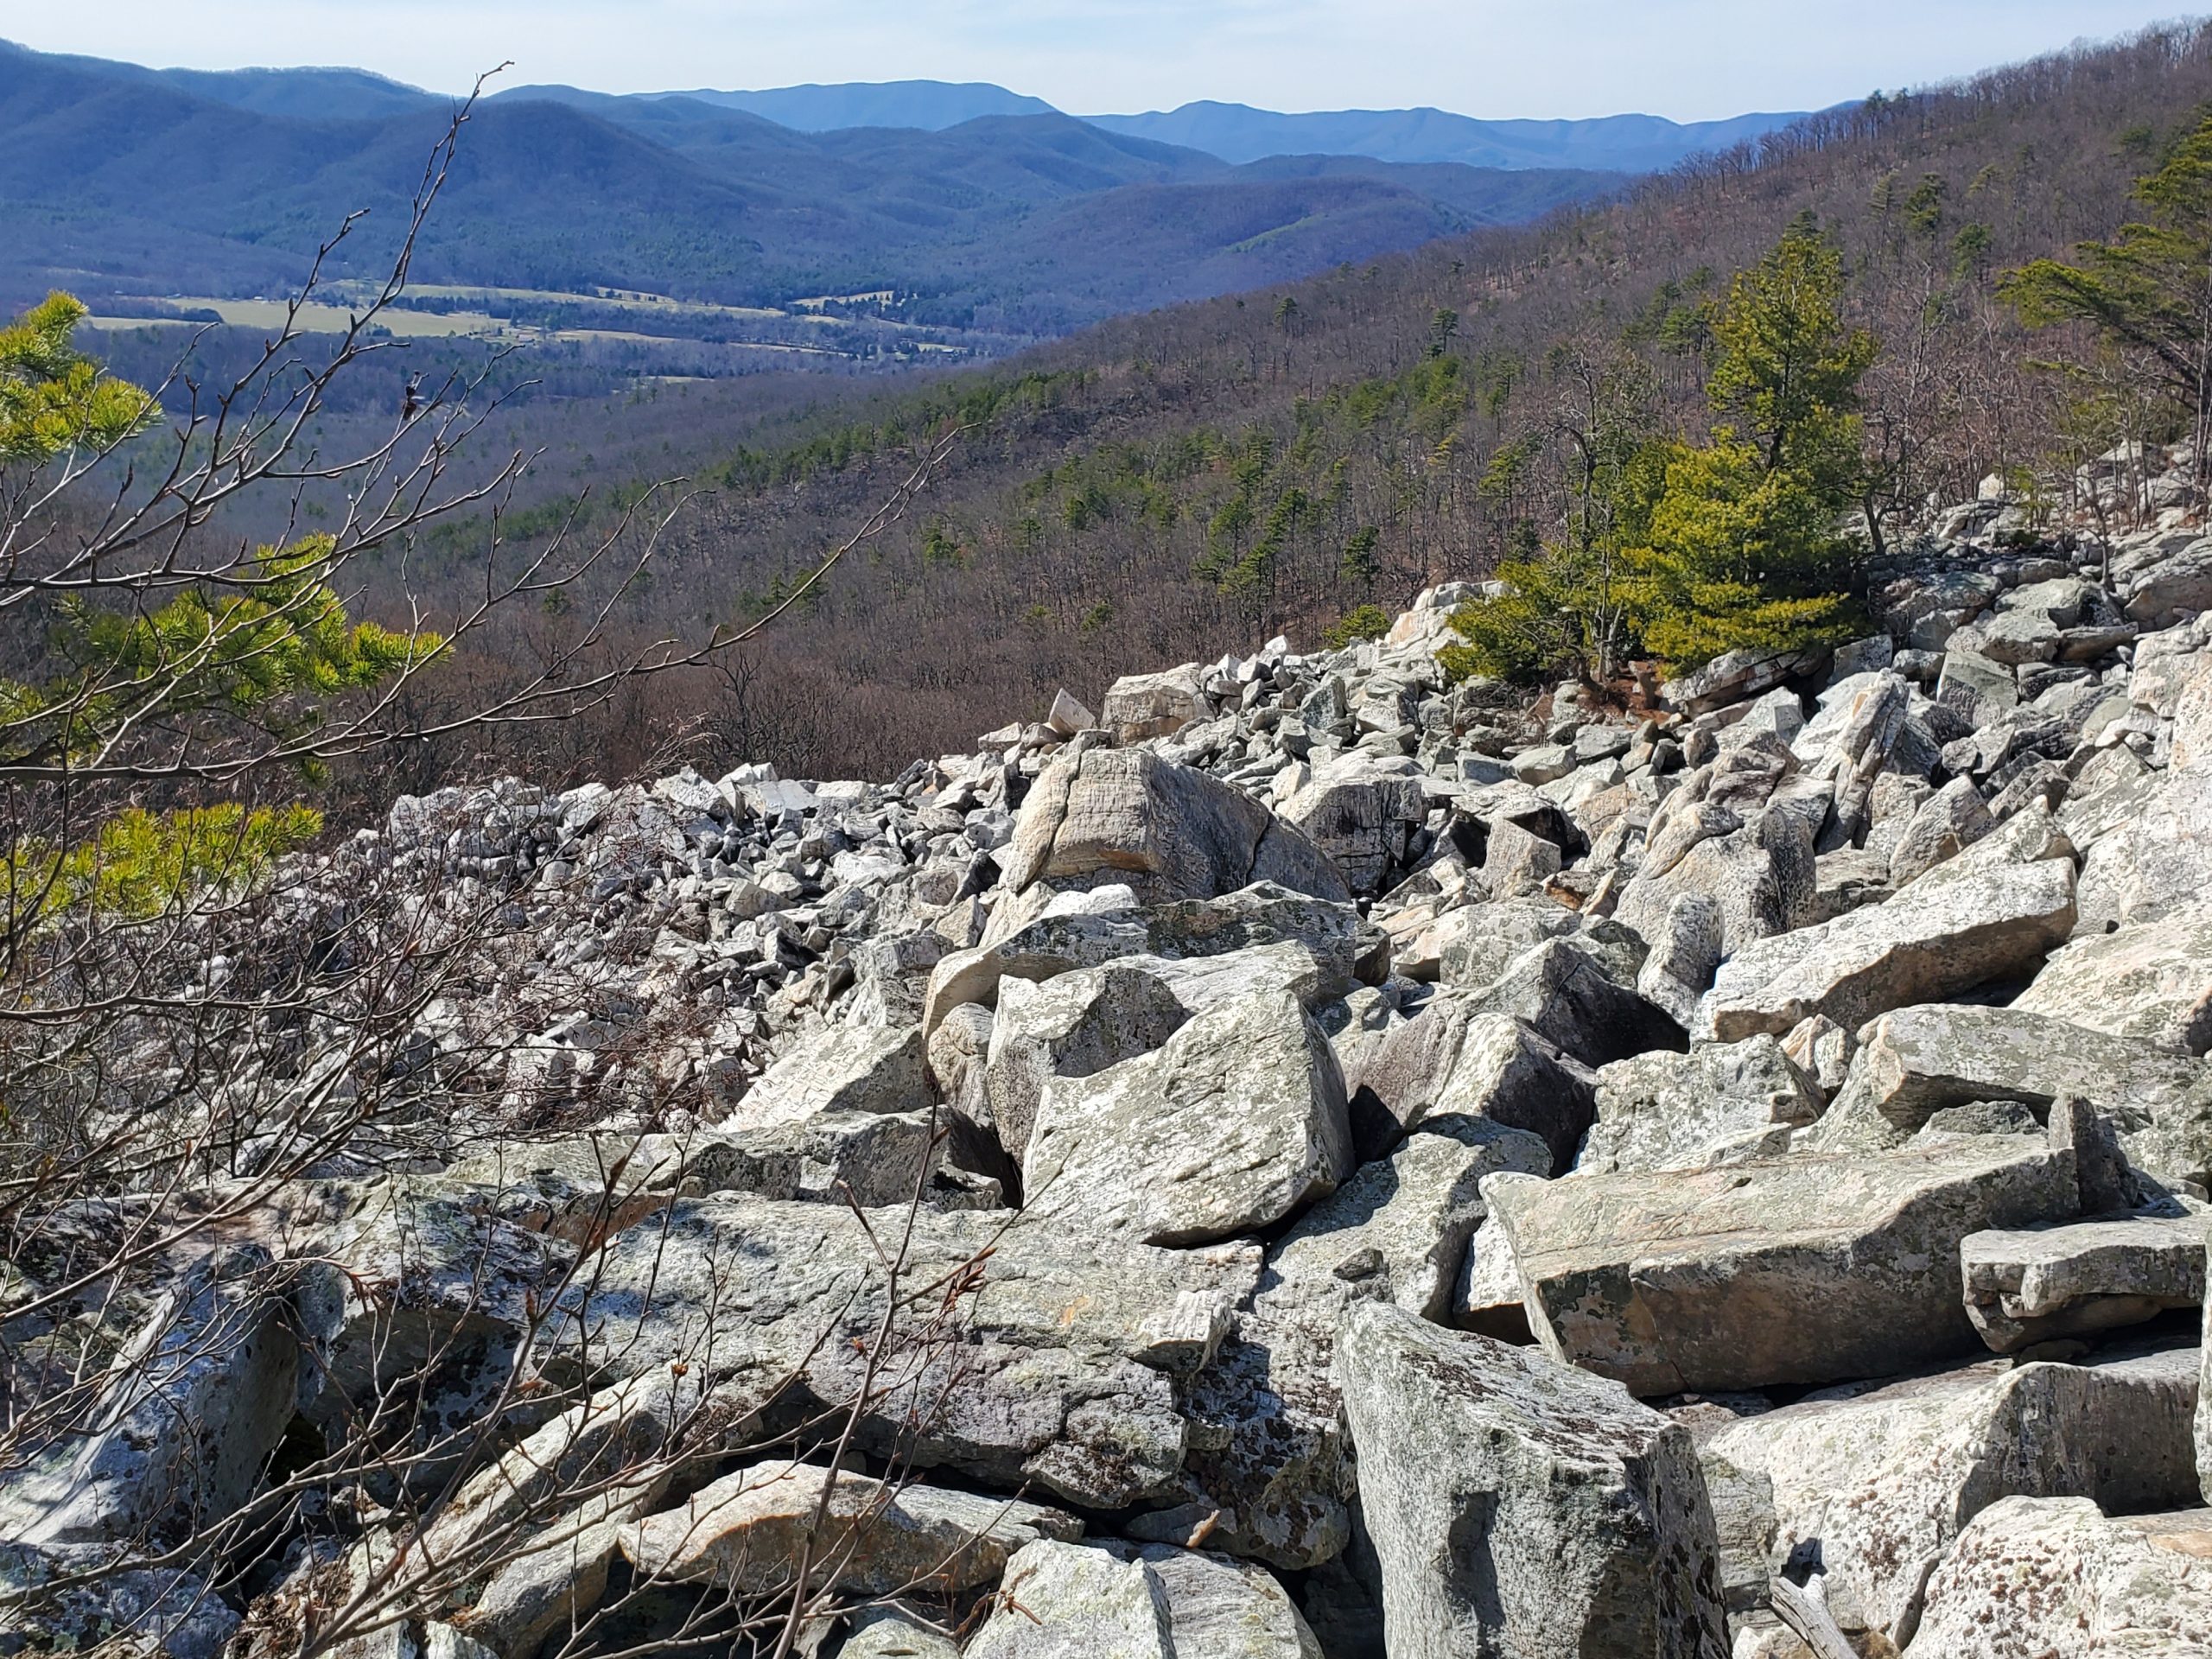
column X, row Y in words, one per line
column 1688, row 59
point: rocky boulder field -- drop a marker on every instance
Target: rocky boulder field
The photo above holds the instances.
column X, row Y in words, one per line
column 1306, row 1160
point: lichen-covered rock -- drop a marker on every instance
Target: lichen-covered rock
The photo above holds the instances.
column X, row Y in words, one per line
column 744, row 1533
column 1809, row 1268
column 2047, row 1282
column 1453, row 1058
column 1112, row 1600
column 1236, row 1122
column 2151, row 982
column 1917, row 1061
column 2057, row 1578
column 1340, row 950
column 1076, row 1354
column 1073, row 1025
column 1872, row 1484
column 1167, row 831
column 1398, row 1230
column 844, row 1069
column 1523, row 1507
column 1718, row 1101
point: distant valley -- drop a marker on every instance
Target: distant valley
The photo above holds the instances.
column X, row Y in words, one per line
column 717, row 233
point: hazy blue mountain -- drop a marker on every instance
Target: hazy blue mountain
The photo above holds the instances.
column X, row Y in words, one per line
column 931, row 106
column 116, row 182
column 1621, row 144
column 315, row 94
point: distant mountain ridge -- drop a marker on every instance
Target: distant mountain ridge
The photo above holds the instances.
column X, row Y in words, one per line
column 116, row 181
column 1231, row 132
column 1618, row 143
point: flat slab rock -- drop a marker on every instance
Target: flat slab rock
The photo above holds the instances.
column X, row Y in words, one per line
column 2151, row 982
column 2044, row 1283
column 1074, row 1350
column 2056, row 1577
column 1519, row 1506
column 744, row 1533
column 1236, row 1121
column 1168, row 831
column 1113, row 1600
column 1931, row 940
column 1875, row 1482
column 1915, row 1062
column 1807, row 1270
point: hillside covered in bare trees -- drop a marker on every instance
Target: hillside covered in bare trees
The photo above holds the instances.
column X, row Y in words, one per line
column 1176, row 483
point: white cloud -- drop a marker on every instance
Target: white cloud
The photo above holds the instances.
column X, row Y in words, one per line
column 1683, row 58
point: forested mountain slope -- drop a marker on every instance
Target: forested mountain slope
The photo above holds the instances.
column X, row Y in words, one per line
column 1170, row 486
column 118, row 182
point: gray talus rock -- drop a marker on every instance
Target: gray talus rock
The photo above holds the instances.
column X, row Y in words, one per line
column 1873, row 1484
column 1077, row 1349
column 1737, row 675
column 1361, row 811
column 842, row 1069
column 894, row 1632
column 1237, row 1121
column 1455, row 1058
column 1665, row 1110
column 1342, row 950
column 744, row 1533
column 1760, row 874
column 1523, row 1507
column 1139, row 705
column 1811, row 1268
column 65, row 1599
column 184, row 1418
column 2157, row 858
column 1478, row 943
column 1398, row 1230
column 1917, row 1061
column 2032, row 1286
column 1075, row 1026
column 1687, row 950
column 1112, row 1600
column 2151, row 982
column 1565, row 994
column 2056, row 1577
column 1166, row 831
column 582, row 1187
column 1993, row 912
column 438, row 1293
column 1942, row 826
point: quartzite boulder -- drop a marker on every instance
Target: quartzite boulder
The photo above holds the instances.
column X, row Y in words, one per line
column 1236, row 1122
column 2151, row 982
column 1166, row 831
column 2057, row 1578
column 1520, row 1506
column 743, row 1533
column 1811, row 1268
column 1138, row 706
column 1564, row 994
column 1680, row 1111
column 1077, row 1349
column 1112, row 1600
column 2042, row 1283
column 1453, row 1058
column 1074, row 1025
column 1874, row 1483
column 1342, row 950
column 843, row 1069
column 1398, row 1230
column 1963, row 925
column 1917, row 1061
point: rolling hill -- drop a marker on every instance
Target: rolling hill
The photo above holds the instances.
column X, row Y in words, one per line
column 119, row 181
